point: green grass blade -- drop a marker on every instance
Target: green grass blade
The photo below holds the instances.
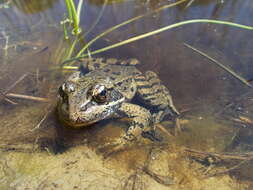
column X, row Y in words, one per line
column 70, row 67
column 97, row 19
column 167, row 28
column 79, row 8
column 74, row 16
column 127, row 22
column 69, row 10
column 71, row 49
column 241, row 79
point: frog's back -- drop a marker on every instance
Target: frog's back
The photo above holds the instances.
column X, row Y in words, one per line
column 121, row 76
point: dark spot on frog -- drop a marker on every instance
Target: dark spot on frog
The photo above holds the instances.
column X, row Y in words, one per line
column 96, row 65
column 116, row 73
column 83, row 70
column 120, row 83
column 107, row 70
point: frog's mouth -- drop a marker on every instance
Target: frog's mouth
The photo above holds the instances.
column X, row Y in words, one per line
column 70, row 123
column 75, row 124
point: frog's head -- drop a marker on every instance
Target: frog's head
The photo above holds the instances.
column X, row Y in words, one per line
column 86, row 101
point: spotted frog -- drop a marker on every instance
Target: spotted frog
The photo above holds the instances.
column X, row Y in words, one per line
column 109, row 88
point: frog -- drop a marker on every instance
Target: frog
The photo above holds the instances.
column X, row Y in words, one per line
column 113, row 88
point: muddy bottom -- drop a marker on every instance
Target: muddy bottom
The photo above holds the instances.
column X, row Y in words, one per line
column 81, row 168
column 56, row 157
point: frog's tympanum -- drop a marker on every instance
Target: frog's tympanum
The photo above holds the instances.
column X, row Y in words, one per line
column 111, row 88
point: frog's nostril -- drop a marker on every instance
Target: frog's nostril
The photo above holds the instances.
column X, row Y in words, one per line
column 74, row 117
column 78, row 120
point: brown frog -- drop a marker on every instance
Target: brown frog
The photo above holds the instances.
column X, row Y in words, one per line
column 107, row 88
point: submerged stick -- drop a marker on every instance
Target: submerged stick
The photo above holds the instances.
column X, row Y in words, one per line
column 229, row 169
column 223, row 156
column 164, row 180
column 230, row 71
column 97, row 19
column 7, row 99
column 21, row 96
column 161, row 127
column 49, row 111
column 15, row 83
column 3, row 94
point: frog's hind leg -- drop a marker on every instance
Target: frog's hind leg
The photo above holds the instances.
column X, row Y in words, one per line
column 141, row 120
column 157, row 96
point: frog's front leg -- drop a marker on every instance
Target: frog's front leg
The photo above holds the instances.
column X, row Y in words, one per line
column 141, row 120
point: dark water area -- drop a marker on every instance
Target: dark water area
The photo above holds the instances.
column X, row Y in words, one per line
column 178, row 66
column 32, row 44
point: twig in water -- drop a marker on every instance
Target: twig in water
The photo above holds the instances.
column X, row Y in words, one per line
column 10, row 88
column 15, row 83
column 229, row 169
column 161, row 127
column 97, row 19
column 238, row 99
column 165, row 180
column 37, row 76
column 49, row 110
column 189, row 3
column 244, row 81
column 7, row 99
column 221, row 156
column 6, row 44
column 24, row 148
column 21, row 96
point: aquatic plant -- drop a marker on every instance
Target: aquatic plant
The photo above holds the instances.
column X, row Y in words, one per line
column 73, row 18
column 81, row 54
column 145, row 35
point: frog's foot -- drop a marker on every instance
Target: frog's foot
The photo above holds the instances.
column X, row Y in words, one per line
column 178, row 128
column 114, row 147
column 151, row 135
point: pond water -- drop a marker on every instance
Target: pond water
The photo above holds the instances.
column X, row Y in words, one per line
column 215, row 106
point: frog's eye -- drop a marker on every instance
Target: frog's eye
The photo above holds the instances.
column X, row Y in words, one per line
column 99, row 94
column 61, row 92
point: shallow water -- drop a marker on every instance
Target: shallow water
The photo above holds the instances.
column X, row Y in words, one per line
column 32, row 44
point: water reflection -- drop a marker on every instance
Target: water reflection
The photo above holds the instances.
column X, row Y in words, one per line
column 102, row 2
column 33, row 6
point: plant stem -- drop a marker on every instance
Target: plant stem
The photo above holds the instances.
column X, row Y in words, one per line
column 139, row 37
column 220, row 65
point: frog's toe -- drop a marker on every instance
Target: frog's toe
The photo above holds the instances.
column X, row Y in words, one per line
column 178, row 128
column 109, row 149
column 151, row 135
